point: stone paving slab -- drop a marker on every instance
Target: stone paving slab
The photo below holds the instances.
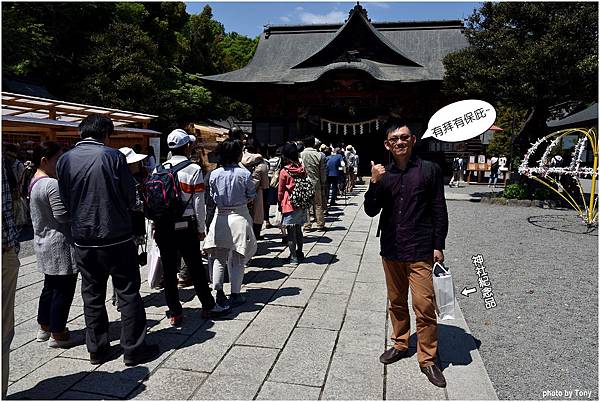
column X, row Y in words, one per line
column 353, row 377
column 312, row 331
column 294, row 292
column 240, row 374
column 369, row 297
column 324, row 311
column 113, row 378
column 171, row 383
column 83, row 396
column 309, row 271
column 336, row 282
column 271, row 328
column 203, row 350
column 29, row 357
column 404, row 381
column 305, row 358
column 363, row 332
column 273, row 391
column 42, row 383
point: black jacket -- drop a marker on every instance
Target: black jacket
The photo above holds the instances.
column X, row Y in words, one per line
column 98, row 190
column 414, row 217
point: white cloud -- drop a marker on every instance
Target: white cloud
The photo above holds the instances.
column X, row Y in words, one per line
column 285, row 19
column 330, row 18
column 377, row 4
column 299, row 8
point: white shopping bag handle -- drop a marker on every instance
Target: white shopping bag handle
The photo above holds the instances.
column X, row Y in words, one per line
column 441, row 266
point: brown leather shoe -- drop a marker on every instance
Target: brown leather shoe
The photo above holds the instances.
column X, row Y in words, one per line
column 434, row 375
column 392, row 355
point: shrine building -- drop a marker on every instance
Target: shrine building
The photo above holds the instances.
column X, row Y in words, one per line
column 341, row 82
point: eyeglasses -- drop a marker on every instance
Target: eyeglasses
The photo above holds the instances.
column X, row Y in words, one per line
column 395, row 139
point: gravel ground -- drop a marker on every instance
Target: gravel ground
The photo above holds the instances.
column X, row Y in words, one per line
column 543, row 267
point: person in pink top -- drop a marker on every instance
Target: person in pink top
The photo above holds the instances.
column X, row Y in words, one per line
column 293, row 218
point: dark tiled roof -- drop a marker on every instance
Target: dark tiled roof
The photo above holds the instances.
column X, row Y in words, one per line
column 589, row 115
column 26, row 88
column 297, row 54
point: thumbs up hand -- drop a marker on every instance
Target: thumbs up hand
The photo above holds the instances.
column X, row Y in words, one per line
column 377, row 172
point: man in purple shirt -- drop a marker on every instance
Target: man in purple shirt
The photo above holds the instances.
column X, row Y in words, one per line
column 413, row 226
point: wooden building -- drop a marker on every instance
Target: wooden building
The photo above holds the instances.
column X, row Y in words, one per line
column 27, row 120
column 340, row 82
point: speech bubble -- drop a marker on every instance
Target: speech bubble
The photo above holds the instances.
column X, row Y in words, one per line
column 461, row 121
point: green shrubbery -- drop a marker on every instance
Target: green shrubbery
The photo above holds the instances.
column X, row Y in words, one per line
column 518, row 191
column 522, row 191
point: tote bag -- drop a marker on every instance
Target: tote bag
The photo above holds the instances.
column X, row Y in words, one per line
column 155, row 268
column 443, row 288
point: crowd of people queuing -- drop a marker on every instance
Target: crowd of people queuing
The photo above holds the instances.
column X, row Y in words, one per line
column 88, row 207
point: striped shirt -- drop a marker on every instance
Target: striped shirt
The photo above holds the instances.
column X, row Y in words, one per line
column 192, row 185
column 9, row 230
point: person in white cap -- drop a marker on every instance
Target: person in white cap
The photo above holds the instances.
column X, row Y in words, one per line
column 185, row 235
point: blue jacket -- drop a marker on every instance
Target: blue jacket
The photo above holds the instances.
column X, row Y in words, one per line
column 333, row 163
column 98, row 190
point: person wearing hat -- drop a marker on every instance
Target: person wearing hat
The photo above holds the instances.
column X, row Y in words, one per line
column 98, row 191
column 352, row 159
column 185, row 235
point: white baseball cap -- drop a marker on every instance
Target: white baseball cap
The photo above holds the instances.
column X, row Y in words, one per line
column 179, row 138
column 131, row 156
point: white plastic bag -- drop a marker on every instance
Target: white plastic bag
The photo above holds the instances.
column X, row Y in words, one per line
column 443, row 288
column 155, row 268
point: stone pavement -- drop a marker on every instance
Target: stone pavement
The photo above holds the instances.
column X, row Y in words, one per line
column 312, row 331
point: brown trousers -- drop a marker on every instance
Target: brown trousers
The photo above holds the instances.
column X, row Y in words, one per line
column 398, row 277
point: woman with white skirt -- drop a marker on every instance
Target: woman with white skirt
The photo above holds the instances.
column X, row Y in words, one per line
column 230, row 240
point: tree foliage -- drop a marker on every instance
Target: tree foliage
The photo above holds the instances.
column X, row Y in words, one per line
column 528, row 54
column 527, row 57
column 145, row 57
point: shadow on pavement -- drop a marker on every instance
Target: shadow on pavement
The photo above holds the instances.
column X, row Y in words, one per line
column 455, row 346
column 53, row 387
column 321, row 259
column 563, row 223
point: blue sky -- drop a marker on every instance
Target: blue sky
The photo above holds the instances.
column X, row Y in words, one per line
column 248, row 18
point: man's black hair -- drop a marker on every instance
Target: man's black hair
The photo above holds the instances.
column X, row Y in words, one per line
column 393, row 124
column 96, row 126
column 253, row 145
column 229, row 152
column 309, row 142
column 180, row 151
column 236, row 133
column 290, row 152
column 46, row 149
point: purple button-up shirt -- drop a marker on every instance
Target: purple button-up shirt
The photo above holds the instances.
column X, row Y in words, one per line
column 414, row 217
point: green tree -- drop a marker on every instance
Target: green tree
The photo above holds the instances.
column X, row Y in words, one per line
column 237, row 50
column 529, row 56
column 204, row 35
column 24, row 41
column 121, row 69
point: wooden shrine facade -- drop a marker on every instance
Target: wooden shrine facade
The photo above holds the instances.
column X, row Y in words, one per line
column 342, row 82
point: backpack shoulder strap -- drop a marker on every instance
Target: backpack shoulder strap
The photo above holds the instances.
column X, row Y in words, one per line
column 176, row 168
column 33, row 182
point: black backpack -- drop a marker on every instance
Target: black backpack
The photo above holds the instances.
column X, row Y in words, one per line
column 162, row 194
column 455, row 164
column 303, row 192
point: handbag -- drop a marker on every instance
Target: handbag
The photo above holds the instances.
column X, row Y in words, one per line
column 443, row 288
column 155, row 268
